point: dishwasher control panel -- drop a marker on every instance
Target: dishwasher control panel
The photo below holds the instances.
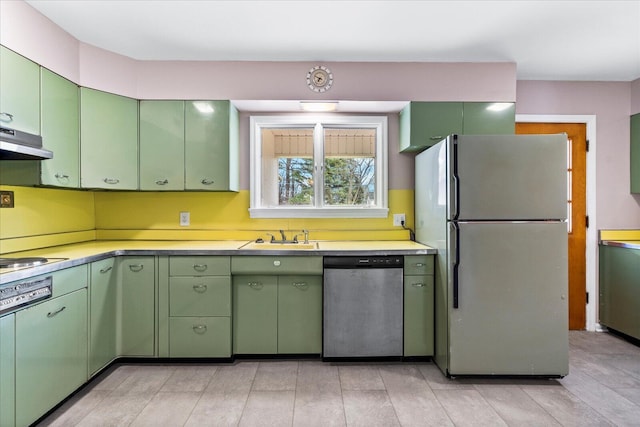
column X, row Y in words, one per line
column 379, row 261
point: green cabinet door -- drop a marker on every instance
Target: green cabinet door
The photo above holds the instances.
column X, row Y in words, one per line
column 620, row 289
column 7, row 370
column 488, row 118
column 423, row 124
column 635, row 153
column 418, row 315
column 299, row 314
column 108, row 141
column 255, row 314
column 60, row 109
column 19, row 92
column 162, row 145
column 136, row 302
column 103, row 294
column 51, row 354
column 211, row 146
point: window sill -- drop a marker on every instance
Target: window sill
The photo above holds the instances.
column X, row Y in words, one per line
column 319, row 213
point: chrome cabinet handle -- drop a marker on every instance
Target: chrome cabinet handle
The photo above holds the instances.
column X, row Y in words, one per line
column 162, row 181
column 136, row 267
column 111, row 180
column 200, row 329
column 54, row 313
column 61, row 176
column 207, row 181
column 200, row 288
column 255, row 285
column 300, row 285
column 418, row 285
column 106, row 269
column 420, row 264
column 7, row 115
column 436, row 137
column 200, row 267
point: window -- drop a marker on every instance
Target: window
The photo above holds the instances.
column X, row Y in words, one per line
column 328, row 166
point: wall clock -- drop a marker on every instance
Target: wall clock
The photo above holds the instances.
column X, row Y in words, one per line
column 319, row 79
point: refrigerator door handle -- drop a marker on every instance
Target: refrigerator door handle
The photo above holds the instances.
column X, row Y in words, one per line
column 454, row 185
column 454, row 253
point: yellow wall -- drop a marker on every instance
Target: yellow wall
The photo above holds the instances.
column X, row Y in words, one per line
column 46, row 217
column 148, row 215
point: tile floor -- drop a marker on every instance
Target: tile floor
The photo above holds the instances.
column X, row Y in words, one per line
column 603, row 388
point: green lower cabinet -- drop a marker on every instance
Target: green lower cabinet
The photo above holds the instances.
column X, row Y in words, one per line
column 277, row 314
column 255, row 314
column 103, row 298
column 300, row 314
column 620, row 289
column 7, row 370
column 418, row 315
column 136, row 302
column 199, row 337
column 51, row 354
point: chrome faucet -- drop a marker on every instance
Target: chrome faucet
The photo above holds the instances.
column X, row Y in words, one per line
column 304, row 233
column 284, row 238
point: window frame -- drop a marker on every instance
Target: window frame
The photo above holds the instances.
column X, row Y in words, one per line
column 318, row 123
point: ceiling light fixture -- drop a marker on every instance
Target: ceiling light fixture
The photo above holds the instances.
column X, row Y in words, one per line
column 499, row 106
column 319, row 106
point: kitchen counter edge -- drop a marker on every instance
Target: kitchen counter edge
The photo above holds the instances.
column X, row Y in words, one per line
column 629, row 244
column 13, row 276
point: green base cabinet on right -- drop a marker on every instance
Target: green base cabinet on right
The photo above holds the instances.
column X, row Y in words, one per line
column 423, row 124
column 619, row 287
column 418, row 306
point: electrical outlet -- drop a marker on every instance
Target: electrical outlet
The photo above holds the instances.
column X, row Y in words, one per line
column 185, row 219
column 398, row 219
column 6, row 199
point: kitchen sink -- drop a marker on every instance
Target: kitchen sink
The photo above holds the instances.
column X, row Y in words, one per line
column 267, row 246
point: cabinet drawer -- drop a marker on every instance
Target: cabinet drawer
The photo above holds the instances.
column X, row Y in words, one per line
column 199, row 266
column 418, row 264
column 276, row 265
column 200, row 296
column 199, row 337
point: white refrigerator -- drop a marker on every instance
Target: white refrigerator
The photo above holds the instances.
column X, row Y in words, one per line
column 495, row 208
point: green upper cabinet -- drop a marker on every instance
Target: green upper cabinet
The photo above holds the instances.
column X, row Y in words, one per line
column 19, row 92
column 162, row 145
column 60, row 109
column 635, row 153
column 108, row 141
column 488, row 118
column 211, row 146
column 423, row 124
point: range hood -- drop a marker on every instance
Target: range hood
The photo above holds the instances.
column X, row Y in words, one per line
column 18, row 145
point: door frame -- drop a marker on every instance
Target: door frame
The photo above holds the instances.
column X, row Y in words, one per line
column 592, row 233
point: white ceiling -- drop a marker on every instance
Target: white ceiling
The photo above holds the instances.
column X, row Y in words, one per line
column 549, row 40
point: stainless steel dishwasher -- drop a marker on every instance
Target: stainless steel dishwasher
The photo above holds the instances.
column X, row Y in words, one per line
column 362, row 314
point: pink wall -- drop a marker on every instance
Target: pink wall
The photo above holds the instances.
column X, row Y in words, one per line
column 610, row 102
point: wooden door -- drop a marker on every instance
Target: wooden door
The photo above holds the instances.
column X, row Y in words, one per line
column 577, row 206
